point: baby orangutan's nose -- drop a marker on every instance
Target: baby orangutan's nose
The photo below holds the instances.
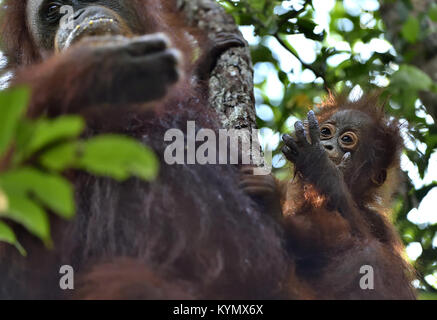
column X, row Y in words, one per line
column 328, row 147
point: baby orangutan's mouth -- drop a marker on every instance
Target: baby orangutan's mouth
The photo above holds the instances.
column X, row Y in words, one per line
column 335, row 160
column 342, row 162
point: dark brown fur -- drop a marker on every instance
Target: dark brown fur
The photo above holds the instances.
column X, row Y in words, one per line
column 190, row 234
column 336, row 220
column 332, row 243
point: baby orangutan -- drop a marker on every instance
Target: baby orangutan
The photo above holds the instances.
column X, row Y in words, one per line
column 333, row 211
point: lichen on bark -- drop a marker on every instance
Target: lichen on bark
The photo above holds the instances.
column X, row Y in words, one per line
column 231, row 82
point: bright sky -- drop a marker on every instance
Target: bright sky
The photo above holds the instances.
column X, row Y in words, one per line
column 426, row 213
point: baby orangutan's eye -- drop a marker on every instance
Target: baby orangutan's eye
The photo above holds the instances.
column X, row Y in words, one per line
column 327, row 131
column 348, row 140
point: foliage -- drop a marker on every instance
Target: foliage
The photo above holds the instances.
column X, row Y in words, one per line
column 352, row 52
column 34, row 154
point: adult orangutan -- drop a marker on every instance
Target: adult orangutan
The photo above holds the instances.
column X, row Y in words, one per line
column 133, row 67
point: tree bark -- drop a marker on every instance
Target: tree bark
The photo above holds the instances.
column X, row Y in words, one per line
column 425, row 59
column 231, row 82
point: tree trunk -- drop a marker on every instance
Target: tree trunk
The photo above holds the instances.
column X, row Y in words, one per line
column 231, row 82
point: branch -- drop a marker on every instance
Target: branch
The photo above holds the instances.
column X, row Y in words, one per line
column 293, row 14
column 231, row 81
column 250, row 11
column 304, row 64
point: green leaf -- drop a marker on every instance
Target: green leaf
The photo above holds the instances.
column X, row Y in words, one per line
column 49, row 131
column 30, row 215
column 61, row 157
column 427, row 296
column 52, row 190
column 410, row 29
column 258, row 5
column 118, row 157
column 23, row 134
column 8, row 236
column 13, row 102
column 412, row 78
column 110, row 155
column 432, row 13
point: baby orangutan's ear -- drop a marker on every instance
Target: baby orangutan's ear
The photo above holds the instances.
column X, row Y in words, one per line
column 379, row 177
